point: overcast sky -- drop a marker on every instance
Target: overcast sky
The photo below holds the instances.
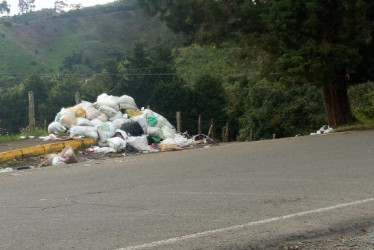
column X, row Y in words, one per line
column 41, row 4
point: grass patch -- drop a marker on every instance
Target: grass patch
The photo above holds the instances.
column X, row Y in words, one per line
column 363, row 123
column 33, row 132
column 24, row 132
column 8, row 138
column 354, row 127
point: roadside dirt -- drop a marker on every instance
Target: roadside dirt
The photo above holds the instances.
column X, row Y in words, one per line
column 358, row 238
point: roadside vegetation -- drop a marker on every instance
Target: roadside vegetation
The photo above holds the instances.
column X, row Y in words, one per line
column 258, row 77
column 25, row 133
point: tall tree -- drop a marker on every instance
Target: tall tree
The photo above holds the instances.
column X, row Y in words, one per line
column 60, row 6
column 26, row 6
column 136, row 76
column 4, row 7
column 323, row 43
column 208, row 20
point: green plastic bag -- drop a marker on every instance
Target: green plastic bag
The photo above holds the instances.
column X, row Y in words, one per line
column 152, row 121
column 156, row 138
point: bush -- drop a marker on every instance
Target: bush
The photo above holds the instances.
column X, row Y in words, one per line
column 272, row 108
column 361, row 98
column 7, row 23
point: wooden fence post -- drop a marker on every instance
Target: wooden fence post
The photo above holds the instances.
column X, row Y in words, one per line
column 179, row 121
column 225, row 132
column 199, row 125
column 77, row 98
column 31, row 110
column 211, row 129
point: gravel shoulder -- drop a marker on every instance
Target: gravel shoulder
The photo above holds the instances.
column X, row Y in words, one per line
column 359, row 237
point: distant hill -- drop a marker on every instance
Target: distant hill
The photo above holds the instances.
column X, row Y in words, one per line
column 38, row 42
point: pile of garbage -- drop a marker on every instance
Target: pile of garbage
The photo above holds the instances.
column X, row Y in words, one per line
column 118, row 125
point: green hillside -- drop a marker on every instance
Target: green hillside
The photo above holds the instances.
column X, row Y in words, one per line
column 15, row 59
column 39, row 42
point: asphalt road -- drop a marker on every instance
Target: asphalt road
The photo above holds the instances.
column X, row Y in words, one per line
column 236, row 196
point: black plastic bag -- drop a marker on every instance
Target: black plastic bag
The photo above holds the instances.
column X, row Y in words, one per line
column 132, row 129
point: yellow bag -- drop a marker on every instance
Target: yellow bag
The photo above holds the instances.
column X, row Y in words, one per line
column 79, row 111
column 132, row 112
column 169, row 147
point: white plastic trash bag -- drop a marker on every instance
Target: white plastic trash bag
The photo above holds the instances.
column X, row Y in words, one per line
column 91, row 111
column 167, row 132
column 323, row 130
column 86, row 131
column 84, row 122
column 67, row 156
column 107, row 100
column 56, row 128
column 106, row 150
column 139, row 142
column 116, row 116
column 122, row 133
column 57, row 161
column 142, row 120
column 96, row 122
column 126, row 102
column 182, row 141
column 117, row 143
column 109, row 111
column 66, row 117
column 155, row 131
column 106, row 130
column 161, row 121
column 120, row 121
column 103, row 117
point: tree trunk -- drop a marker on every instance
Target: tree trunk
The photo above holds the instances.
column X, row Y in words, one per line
column 337, row 105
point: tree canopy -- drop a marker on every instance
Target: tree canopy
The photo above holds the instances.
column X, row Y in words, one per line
column 26, row 6
column 4, row 7
column 324, row 43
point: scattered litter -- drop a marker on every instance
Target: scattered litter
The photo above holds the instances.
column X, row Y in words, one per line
column 22, row 137
column 50, row 137
column 201, row 138
column 323, row 130
column 67, row 156
column 25, row 168
column 6, row 170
